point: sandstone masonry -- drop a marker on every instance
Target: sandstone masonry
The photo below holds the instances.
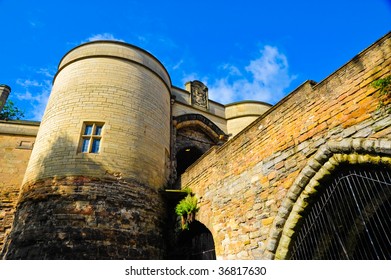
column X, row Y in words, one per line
column 91, row 180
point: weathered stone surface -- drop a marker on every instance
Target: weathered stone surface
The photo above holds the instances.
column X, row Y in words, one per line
column 97, row 220
column 14, row 156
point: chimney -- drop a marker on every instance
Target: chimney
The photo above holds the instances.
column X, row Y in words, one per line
column 4, row 92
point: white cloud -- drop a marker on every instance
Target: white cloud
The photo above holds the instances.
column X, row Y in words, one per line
column 264, row 78
column 47, row 72
column 233, row 70
column 176, row 66
column 34, row 23
column 103, row 36
column 28, row 83
column 190, row 77
column 34, row 95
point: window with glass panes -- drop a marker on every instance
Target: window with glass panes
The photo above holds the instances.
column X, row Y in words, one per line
column 91, row 137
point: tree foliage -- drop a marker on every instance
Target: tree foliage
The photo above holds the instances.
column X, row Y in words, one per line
column 11, row 112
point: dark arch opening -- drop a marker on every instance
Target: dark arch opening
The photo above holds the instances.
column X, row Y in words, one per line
column 193, row 118
column 349, row 217
column 196, row 243
column 186, row 157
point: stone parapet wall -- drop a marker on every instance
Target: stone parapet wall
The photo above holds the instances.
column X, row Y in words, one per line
column 242, row 185
column 117, row 50
column 179, row 109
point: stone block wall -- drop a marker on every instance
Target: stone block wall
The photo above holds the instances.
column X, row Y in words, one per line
column 241, row 114
column 243, row 184
column 16, row 143
column 81, row 218
column 104, row 82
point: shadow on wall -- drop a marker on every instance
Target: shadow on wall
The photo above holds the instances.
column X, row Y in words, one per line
column 195, row 243
column 80, row 217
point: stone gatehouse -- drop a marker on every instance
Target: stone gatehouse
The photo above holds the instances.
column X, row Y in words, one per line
column 99, row 176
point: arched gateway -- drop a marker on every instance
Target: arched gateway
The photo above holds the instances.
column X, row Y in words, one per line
column 340, row 205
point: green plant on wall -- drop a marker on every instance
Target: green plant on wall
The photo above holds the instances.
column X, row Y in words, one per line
column 187, row 209
column 384, row 86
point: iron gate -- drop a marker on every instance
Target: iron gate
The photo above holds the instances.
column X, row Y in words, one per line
column 350, row 218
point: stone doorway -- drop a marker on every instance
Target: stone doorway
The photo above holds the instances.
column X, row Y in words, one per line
column 186, row 157
column 196, row 243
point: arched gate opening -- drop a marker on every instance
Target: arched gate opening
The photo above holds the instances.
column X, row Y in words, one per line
column 349, row 218
column 186, row 157
column 196, row 243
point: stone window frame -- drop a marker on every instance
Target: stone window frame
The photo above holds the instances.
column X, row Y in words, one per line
column 328, row 157
column 93, row 136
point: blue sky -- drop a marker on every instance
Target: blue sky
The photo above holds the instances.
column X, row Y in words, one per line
column 248, row 49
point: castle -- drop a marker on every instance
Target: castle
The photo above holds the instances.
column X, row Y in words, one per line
column 100, row 175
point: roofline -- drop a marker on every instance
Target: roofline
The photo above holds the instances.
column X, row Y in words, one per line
column 22, row 122
column 311, row 83
column 116, row 43
column 354, row 58
column 249, row 102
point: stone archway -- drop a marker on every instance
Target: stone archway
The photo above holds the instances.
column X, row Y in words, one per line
column 194, row 134
column 325, row 161
column 196, row 243
column 186, row 157
column 348, row 218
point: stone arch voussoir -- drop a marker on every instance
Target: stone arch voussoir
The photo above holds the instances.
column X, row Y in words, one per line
column 206, row 125
column 325, row 160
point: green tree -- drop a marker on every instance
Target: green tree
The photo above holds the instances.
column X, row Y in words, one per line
column 11, row 112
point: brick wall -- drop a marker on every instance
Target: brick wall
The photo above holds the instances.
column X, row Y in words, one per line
column 243, row 184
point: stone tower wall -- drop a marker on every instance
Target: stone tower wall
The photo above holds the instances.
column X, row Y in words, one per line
column 241, row 114
column 102, row 205
column 106, row 82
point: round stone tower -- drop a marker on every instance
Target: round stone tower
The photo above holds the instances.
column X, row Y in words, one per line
column 91, row 189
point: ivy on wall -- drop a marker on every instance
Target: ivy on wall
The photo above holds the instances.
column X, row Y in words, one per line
column 384, row 86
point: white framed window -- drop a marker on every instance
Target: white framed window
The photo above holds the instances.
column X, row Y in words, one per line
column 91, row 137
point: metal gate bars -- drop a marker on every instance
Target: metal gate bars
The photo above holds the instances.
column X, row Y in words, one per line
column 350, row 218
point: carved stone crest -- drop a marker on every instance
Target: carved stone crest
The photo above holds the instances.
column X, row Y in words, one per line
column 199, row 94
